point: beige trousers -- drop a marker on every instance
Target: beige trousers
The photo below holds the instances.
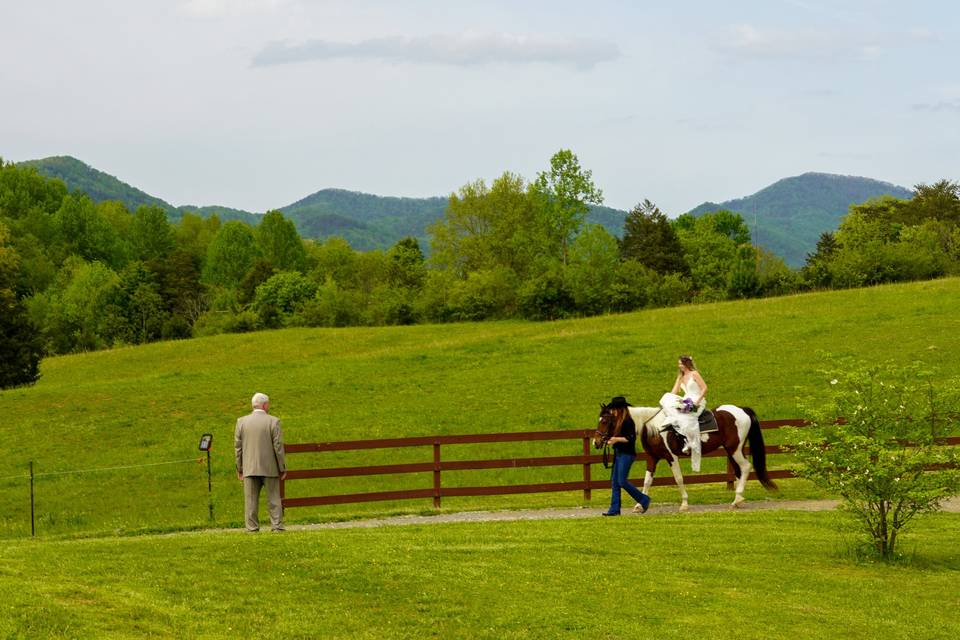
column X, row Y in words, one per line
column 251, row 502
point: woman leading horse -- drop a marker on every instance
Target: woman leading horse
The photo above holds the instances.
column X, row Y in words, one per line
column 735, row 427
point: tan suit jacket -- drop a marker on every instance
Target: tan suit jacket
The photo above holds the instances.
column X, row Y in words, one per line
column 258, row 442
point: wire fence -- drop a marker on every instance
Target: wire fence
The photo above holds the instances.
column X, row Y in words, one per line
column 63, row 501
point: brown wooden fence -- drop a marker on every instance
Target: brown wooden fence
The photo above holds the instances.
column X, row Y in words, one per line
column 438, row 466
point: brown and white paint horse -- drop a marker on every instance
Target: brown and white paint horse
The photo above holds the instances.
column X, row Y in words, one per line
column 736, row 426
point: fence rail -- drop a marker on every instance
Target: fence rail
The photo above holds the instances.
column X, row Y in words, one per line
column 438, row 466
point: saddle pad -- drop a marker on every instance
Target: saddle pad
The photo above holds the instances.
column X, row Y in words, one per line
column 707, row 422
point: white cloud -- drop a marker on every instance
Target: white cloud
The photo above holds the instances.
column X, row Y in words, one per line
column 943, row 105
column 750, row 41
column 457, row 49
column 223, row 8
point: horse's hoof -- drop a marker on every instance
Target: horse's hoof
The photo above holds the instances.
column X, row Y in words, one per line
column 684, row 507
column 739, row 500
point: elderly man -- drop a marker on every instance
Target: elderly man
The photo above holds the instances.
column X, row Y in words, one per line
column 258, row 442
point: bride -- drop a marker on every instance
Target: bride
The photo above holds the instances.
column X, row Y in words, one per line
column 684, row 410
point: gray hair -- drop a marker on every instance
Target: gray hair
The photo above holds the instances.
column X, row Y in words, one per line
column 259, row 399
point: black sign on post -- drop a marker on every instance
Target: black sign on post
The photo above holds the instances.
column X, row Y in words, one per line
column 206, row 443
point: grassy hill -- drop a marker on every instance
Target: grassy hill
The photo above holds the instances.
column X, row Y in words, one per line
column 149, row 405
column 366, row 221
column 788, row 217
column 778, row 575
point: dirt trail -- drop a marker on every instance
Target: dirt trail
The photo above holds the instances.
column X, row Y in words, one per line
column 952, row 506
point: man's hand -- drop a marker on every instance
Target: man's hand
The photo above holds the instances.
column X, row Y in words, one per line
column 283, row 476
column 239, row 475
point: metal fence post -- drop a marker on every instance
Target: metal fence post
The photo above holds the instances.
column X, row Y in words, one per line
column 209, row 486
column 33, row 526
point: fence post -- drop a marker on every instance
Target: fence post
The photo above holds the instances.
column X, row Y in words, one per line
column 33, row 526
column 731, row 476
column 586, row 468
column 210, row 486
column 436, row 475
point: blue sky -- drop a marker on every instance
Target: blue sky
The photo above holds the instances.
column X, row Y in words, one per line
column 256, row 103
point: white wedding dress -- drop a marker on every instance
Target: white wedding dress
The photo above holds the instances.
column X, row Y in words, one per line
column 687, row 423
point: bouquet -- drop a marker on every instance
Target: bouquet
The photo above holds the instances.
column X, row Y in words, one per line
column 687, row 406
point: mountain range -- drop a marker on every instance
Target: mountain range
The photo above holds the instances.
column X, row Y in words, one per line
column 787, row 217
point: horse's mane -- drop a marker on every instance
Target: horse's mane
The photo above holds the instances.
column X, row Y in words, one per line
column 646, row 418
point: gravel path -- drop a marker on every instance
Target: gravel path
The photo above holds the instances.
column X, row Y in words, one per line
column 952, row 506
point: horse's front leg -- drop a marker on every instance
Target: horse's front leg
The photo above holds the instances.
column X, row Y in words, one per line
column 675, row 467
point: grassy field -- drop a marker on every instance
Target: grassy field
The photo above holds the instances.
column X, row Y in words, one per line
column 730, row 575
column 149, row 405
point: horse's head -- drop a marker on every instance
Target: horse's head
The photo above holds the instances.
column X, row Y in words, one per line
column 605, row 426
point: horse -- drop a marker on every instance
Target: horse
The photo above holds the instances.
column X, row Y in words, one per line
column 735, row 426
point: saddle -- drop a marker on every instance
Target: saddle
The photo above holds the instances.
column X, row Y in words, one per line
column 707, row 423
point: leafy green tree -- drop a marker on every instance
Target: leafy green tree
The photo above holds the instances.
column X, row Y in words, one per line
column 280, row 243
column 24, row 191
column 285, row 292
column 650, row 239
column 884, row 458
column 194, row 233
column 592, row 272
column 939, row 201
column 710, row 255
column 178, row 282
column 564, row 193
column 407, row 266
column 631, row 287
column 261, row 271
column 72, row 313
column 334, row 259
column 231, row 254
column 151, row 235
column 489, row 227
column 84, row 232
column 546, row 296
column 816, row 271
column 135, row 312
column 20, row 345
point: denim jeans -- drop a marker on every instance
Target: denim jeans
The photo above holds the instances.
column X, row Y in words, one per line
column 619, row 479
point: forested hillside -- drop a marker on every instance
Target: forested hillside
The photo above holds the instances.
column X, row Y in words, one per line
column 78, row 275
column 788, row 217
column 365, row 221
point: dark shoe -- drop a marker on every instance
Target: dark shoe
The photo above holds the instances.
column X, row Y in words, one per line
column 609, row 513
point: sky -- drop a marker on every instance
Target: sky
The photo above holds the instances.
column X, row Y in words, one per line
column 255, row 104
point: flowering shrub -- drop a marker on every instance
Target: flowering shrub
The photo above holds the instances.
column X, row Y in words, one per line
column 883, row 456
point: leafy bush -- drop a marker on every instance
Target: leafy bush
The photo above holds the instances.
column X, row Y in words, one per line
column 884, row 458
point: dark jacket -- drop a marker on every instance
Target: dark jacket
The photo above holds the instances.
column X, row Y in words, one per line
column 629, row 431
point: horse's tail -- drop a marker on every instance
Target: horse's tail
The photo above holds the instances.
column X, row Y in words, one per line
column 758, row 450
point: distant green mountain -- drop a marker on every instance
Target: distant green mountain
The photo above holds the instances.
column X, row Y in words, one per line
column 100, row 186
column 366, row 221
column 788, row 217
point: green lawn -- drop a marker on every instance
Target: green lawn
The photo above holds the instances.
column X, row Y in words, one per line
column 150, row 404
column 729, row 575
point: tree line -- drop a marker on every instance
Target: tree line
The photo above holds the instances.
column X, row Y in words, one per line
column 77, row 275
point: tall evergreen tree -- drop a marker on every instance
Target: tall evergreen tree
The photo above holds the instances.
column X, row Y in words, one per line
column 649, row 239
